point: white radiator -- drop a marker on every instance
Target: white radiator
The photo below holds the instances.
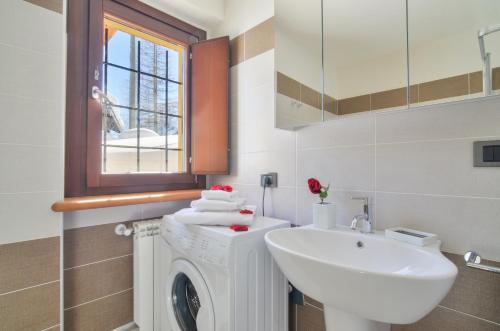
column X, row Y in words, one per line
column 146, row 244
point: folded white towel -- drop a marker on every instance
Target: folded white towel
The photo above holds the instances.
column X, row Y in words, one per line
column 217, row 205
column 219, row 195
column 190, row 216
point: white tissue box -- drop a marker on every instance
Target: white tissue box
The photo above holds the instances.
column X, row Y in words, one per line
column 411, row 236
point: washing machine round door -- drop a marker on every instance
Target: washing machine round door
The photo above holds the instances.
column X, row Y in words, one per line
column 189, row 305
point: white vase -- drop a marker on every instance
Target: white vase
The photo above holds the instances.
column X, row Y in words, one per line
column 324, row 215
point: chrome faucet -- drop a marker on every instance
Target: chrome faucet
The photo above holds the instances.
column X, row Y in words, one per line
column 367, row 225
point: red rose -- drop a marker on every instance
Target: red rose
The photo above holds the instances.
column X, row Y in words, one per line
column 314, row 185
column 227, row 188
column 246, row 212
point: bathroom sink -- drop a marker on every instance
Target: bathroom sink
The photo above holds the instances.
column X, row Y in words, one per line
column 365, row 281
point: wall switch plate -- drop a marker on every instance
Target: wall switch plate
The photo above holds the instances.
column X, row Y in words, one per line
column 487, row 153
column 271, row 178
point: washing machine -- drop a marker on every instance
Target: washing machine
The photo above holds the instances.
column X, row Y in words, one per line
column 212, row 278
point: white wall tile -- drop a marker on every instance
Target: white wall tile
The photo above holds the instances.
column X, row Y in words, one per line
column 439, row 167
column 279, row 202
column 30, row 169
column 345, row 168
column 29, row 121
column 29, row 74
column 27, row 216
column 91, row 217
column 31, row 27
column 259, row 70
column 479, row 118
column 151, row 210
column 260, row 133
column 237, row 121
column 348, row 131
column 461, row 223
column 282, row 162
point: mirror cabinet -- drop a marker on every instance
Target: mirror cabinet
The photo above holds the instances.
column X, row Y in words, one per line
column 340, row 57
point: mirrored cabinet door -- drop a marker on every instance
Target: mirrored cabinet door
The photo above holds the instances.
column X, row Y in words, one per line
column 364, row 56
column 454, row 49
column 298, row 52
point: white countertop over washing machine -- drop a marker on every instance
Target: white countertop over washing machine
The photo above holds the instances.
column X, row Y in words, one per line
column 212, row 278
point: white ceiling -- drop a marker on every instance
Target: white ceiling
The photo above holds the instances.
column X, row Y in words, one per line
column 202, row 13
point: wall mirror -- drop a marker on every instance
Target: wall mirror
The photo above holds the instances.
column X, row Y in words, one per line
column 298, row 64
column 361, row 55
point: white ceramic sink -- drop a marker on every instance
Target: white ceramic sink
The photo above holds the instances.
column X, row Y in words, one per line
column 365, row 281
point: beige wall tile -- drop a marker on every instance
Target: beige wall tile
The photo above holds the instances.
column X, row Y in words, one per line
column 310, row 318
column 54, row 5
column 413, row 93
column 97, row 280
column 331, row 105
column 388, row 99
column 104, row 314
column 259, row 39
column 28, row 263
column 444, row 88
column 288, row 86
column 94, row 243
column 496, row 78
column 475, row 82
column 36, row 308
column 475, row 292
column 354, row 105
column 441, row 319
column 292, row 317
column 313, row 302
column 237, row 46
column 310, row 97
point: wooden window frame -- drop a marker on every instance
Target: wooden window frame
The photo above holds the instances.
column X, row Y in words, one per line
column 83, row 175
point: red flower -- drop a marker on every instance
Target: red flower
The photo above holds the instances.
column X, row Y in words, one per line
column 226, row 188
column 314, row 185
column 246, row 212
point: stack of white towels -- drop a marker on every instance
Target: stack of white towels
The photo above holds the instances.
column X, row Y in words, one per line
column 217, row 207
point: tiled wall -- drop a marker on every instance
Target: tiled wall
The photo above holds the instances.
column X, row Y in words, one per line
column 31, row 167
column 416, row 165
column 98, row 284
column 98, row 265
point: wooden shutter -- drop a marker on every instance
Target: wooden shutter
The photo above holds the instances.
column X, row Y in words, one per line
column 210, row 107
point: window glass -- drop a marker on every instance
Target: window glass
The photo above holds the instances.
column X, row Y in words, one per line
column 143, row 127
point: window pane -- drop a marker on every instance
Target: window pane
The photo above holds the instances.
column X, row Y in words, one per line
column 153, row 58
column 153, row 160
column 153, row 128
column 120, row 160
column 173, row 99
column 152, row 93
column 174, row 135
column 176, row 161
column 121, row 48
column 122, row 87
column 173, row 66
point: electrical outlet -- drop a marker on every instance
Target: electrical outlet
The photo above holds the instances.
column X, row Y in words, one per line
column 269, row 179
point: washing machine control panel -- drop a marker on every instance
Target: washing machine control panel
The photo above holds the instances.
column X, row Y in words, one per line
column 196, row 244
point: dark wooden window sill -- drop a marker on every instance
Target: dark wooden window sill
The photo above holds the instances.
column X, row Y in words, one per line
column 114, row 200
